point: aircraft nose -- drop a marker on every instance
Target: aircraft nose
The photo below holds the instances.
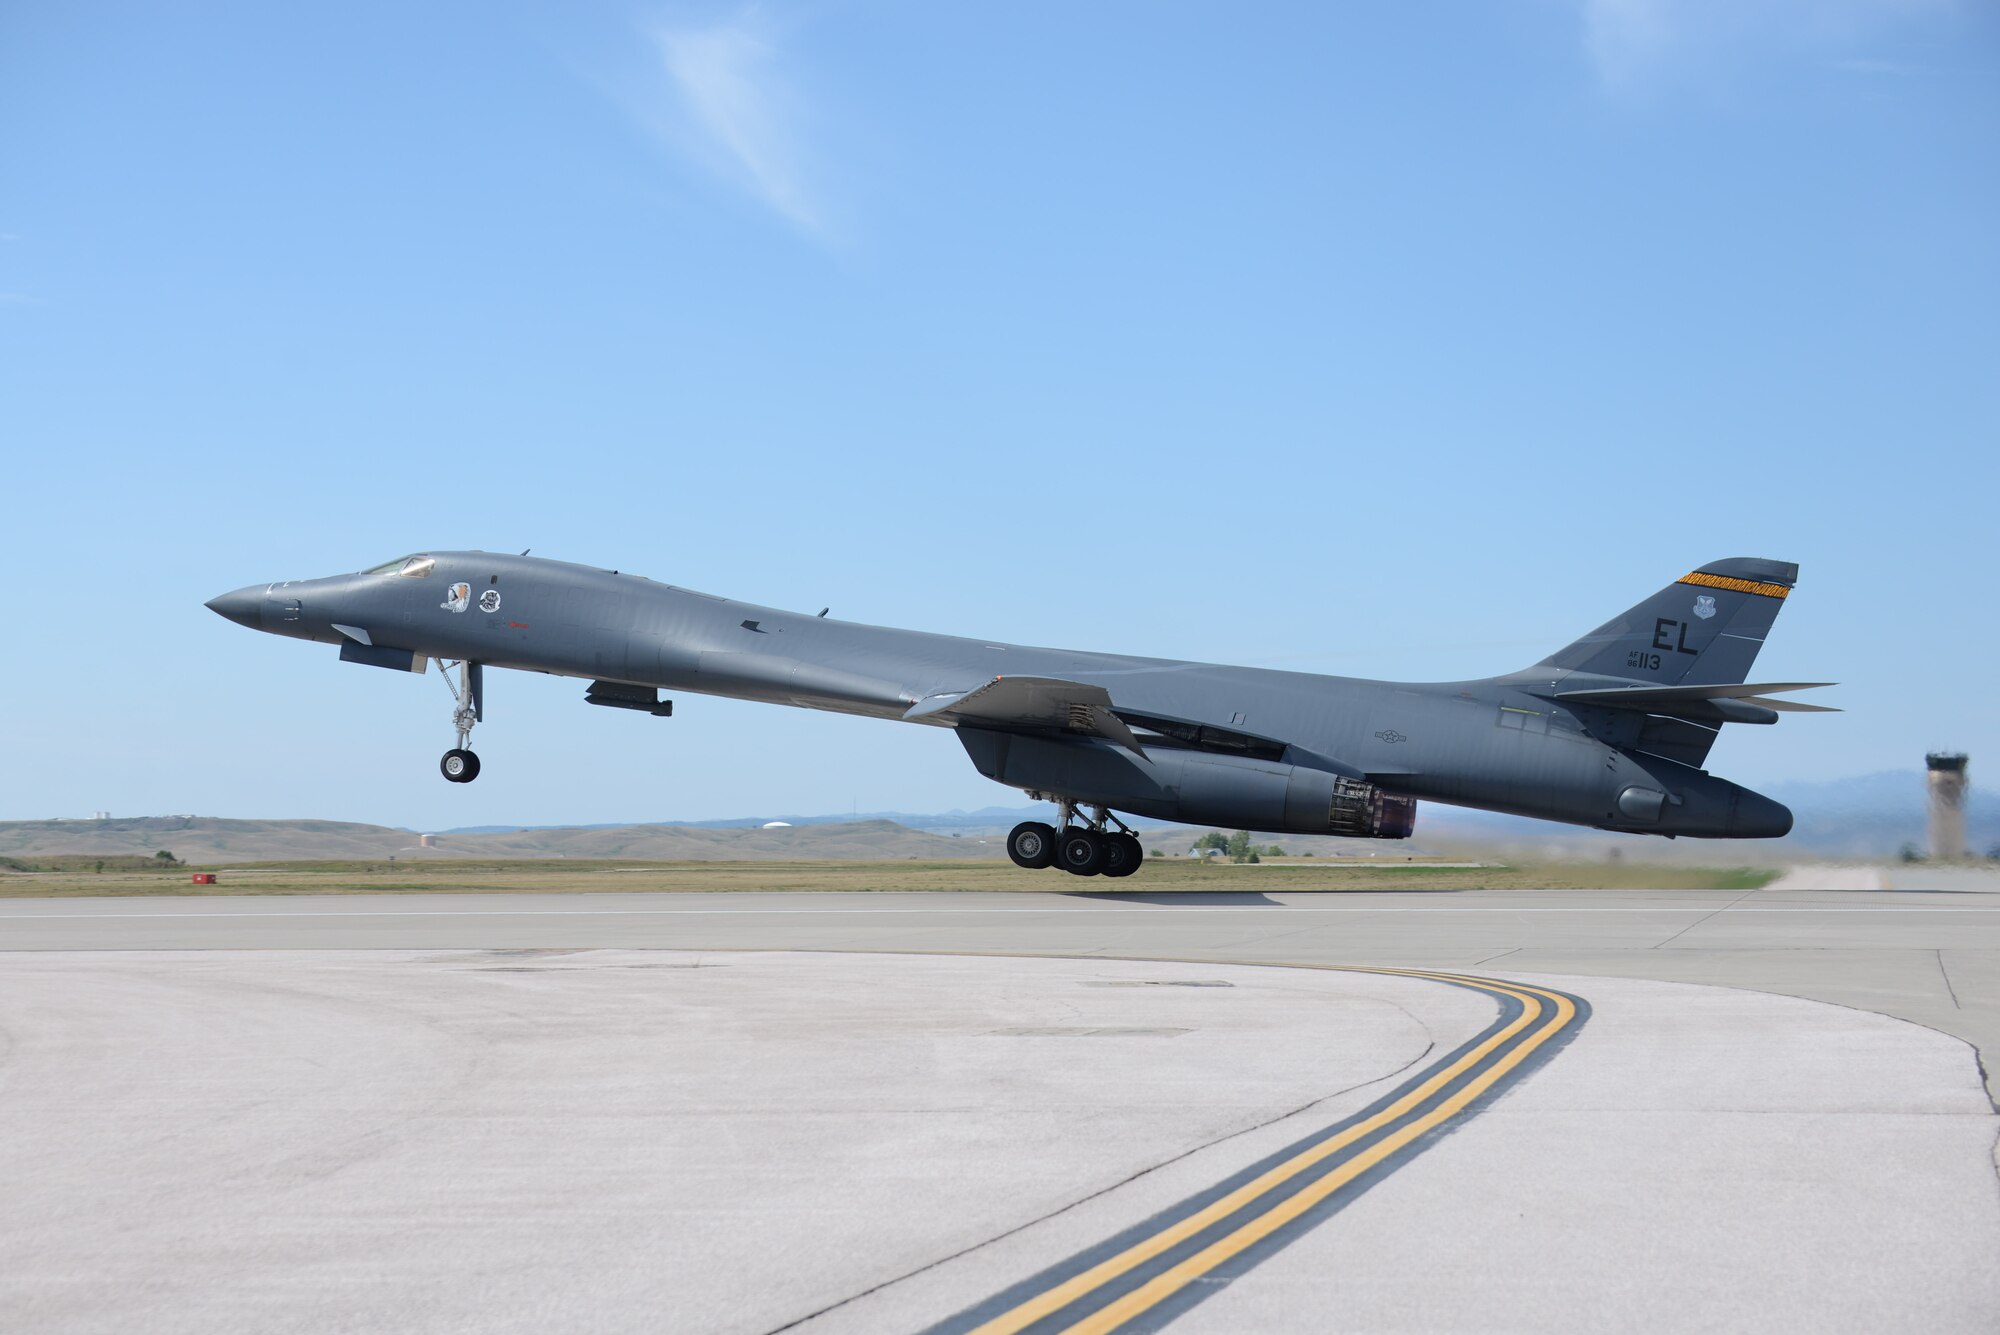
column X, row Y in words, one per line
column 245, row 606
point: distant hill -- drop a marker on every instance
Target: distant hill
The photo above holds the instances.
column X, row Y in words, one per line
column 204, row 839
column 1879, row 813
column 1868, row 816
column 211, row 841
column 984, row 821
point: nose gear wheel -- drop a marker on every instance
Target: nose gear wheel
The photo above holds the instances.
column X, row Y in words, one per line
column 468, row 694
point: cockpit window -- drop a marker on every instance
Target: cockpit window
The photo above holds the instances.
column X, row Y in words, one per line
column 410, row 567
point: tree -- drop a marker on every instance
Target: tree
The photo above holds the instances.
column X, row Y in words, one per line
column 1214, row 841
column 1240, row 849
column 164, row 856
column 1910, row 853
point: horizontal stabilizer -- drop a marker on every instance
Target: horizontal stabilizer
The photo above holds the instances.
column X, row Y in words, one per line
column 1637, row 696
column 1792, row 706
column 1743, row 702
column 1030, row 703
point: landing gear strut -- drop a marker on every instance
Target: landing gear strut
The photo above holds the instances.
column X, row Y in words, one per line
column 1088, row 848
column 468, row 696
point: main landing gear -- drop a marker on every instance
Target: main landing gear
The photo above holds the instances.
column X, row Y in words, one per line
column 1087, row 849
column 468, row 696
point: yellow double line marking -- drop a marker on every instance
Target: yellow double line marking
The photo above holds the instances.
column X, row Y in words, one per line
column 1544, row 1014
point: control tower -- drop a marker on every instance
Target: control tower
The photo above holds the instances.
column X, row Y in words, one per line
column 1947, row 784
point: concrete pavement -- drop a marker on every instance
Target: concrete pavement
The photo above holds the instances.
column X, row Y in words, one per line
column 639, row 1111
column 1927, row 950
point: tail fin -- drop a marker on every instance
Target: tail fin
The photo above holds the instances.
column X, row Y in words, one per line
column 1704, row 629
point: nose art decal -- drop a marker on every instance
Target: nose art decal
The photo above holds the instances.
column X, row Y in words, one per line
column 489, row 601
column 461, row 595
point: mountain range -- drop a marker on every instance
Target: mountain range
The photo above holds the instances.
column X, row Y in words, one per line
column 1869, row 816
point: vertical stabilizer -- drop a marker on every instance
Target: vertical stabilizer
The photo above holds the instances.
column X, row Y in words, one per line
column 1704, row 629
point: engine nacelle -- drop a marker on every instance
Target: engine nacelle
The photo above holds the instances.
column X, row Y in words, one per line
column 1362, row 811
column 1193, row 787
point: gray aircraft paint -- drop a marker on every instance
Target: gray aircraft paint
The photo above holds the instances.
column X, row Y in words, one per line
column 1610, row 731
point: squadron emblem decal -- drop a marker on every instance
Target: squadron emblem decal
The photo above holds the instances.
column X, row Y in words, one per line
column 1704, row 607
column 457, row 599
column 489, row 601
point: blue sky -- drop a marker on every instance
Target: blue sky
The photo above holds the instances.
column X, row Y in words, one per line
column 1398, row 341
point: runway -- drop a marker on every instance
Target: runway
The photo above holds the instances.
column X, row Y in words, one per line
column 865, row 1113
column 1927, row 951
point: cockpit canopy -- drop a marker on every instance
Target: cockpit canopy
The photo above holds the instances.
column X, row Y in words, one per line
column 409, row 567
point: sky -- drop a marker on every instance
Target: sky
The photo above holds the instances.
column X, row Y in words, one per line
column 1378, row 340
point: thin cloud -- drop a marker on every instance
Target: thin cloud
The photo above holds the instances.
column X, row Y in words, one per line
column 1626, row 37
column 1873, row 67
column 1636, row 43
column 737, row 113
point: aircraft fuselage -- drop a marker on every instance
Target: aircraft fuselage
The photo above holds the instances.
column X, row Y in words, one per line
column 1501, row 744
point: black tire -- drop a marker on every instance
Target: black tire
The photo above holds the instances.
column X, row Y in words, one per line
column 1032, row 845
column 1081, row 853
column 459, row 766
column 1122, row 854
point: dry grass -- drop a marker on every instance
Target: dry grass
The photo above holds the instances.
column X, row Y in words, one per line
column 1162, row 876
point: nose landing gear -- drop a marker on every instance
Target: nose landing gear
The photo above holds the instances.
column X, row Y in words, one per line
column 468, row 695
column 1087, row 849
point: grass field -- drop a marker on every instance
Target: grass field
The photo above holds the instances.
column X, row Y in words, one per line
column 1162, row 876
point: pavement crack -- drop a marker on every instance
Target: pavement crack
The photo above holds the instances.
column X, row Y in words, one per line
column 1721, row 908
column 1509, row 951
column 1946, row 975
column 1430, row 1046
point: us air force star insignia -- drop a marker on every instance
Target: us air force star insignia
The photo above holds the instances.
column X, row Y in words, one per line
column 1704, row 607
column 489, row 601
column 457, row 598
column 1391, row 736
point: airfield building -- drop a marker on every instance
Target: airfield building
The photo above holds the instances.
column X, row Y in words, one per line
column 1946, row 775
